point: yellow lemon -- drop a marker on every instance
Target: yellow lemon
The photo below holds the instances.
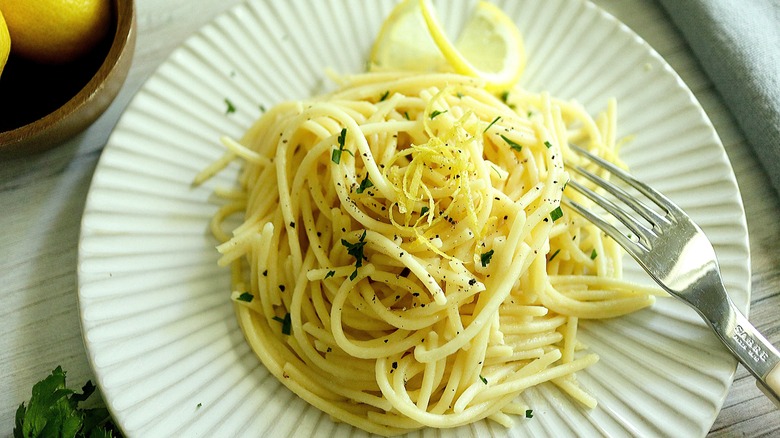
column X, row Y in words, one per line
column 5, row 43
column 490, row 45
column 404, row 43
column 55, row 31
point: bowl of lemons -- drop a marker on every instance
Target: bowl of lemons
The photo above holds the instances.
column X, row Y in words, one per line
column 62, row 62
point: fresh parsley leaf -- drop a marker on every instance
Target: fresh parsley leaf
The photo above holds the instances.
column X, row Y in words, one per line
column 511, row 143
column 53, row 411
column 548, row 144
column 423, row 211
column 529, row 413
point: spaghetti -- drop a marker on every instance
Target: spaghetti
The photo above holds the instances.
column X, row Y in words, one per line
column 404, row 260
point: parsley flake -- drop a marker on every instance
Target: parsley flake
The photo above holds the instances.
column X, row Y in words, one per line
column 356, row 251
column 384, row 96
column 485, row 258
column 593, row 255
column 529, row 413
column 335, row 156
column 556, row 214
column 492, row 123
column 511, row 143
column 484, row 380
column 366, row 183
column 548, row 144
column 286, row 323
column 554, row 254
column 330, row 274
column 230, row 107
column 246, row 296
column 436, row 113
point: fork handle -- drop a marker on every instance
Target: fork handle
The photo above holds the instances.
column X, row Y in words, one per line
column 772, row 384
column 754, row 352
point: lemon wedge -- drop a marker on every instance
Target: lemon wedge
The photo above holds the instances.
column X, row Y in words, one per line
column 5, row 43
column 489, row 47
column 404, row 43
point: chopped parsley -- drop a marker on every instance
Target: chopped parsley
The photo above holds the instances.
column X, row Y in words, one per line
column 246, row 296
column 406, row 115
column 330, row 274
column 529, row 413
column 511, row 143
column 554, row 254
column 593, row 255
column 485, row 258
column 286, row 323
column 384, row 96
column 356, row 251
column 424, row 210
column 548, row 144
column 492, row 123
column 366, row 183
column 505, row 96
column 436, row 113
column 335, row 156
column 556, row 214
column 484, row 380
column 230, row 107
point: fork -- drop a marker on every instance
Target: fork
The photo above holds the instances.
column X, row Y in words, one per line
column 675, row 252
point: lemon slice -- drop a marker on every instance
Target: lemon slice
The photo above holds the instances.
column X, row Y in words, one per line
column 5, row 43
column 404, row 43
column 489, row 47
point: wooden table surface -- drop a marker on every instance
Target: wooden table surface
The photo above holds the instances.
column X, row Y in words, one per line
column 42, row 199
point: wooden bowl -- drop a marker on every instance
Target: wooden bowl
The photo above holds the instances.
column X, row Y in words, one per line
column 42, row 106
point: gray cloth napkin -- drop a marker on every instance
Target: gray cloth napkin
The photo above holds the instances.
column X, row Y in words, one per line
column 737, row 43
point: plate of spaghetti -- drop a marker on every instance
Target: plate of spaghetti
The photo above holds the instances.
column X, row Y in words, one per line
column 281, row 240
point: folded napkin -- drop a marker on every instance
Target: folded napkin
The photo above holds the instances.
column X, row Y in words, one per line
column 737, row 43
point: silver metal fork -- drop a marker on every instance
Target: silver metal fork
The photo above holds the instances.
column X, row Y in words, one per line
column 678, row 256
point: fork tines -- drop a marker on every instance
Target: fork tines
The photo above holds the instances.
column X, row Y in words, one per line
column 642, row 232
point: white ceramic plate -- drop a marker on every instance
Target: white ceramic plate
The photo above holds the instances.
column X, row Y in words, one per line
column 157, row 320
